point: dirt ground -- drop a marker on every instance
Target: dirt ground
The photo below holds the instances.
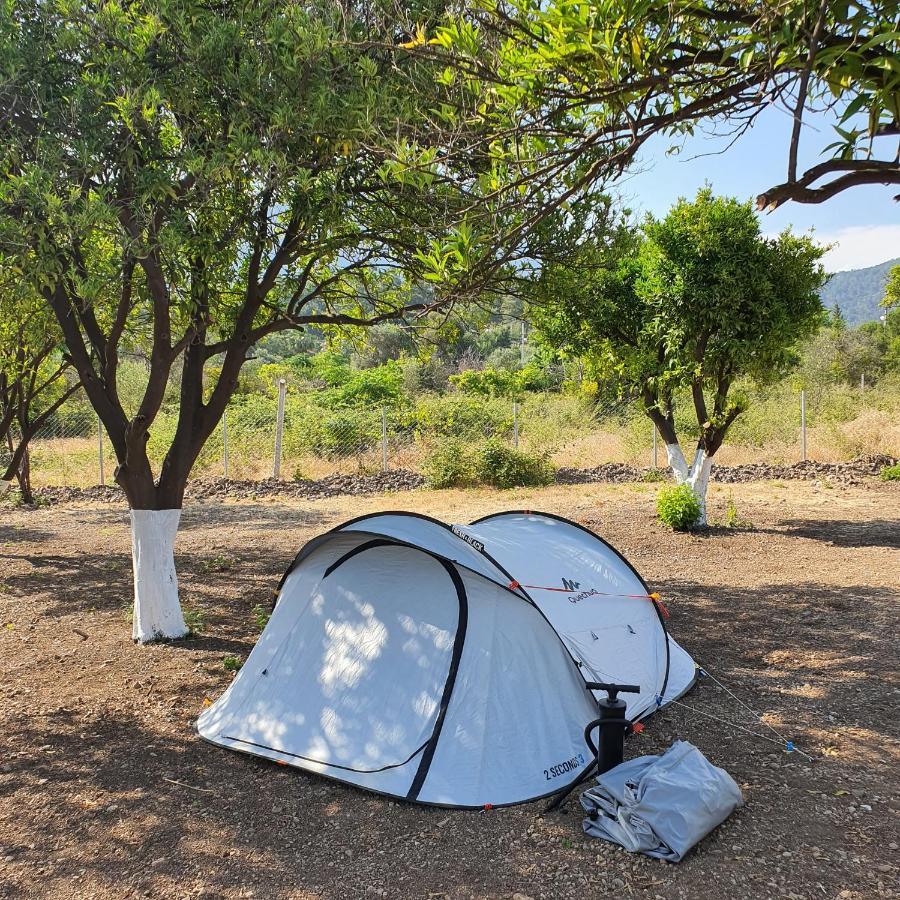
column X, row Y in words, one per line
column 105, row 792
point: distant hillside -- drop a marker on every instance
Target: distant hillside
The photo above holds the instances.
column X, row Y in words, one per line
column 858, row 292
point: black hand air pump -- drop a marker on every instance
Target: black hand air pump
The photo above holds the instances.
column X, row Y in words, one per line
column 613, row 727
column 612, row 724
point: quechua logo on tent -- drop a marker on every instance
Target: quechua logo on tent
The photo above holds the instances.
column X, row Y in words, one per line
column 573, row 586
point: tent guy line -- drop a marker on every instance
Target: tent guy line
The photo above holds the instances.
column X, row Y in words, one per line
column 655, row 597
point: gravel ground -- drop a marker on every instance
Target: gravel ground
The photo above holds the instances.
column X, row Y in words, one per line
column 106, row 793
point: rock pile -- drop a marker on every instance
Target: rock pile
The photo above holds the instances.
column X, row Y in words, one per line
column 221, row 488
column 612, row 473
column 852, row 472
column 205, row 488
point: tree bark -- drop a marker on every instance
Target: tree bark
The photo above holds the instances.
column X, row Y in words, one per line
column 23, row 475
column 696, row 476
column 157, row 611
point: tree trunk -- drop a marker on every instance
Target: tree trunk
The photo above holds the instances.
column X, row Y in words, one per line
column 696, row 476
column 23, row 475
column 157, row 611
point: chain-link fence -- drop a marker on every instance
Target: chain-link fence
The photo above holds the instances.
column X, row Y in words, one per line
column 290, row 436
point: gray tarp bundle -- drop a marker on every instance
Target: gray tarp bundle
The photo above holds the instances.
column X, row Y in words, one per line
column 661, row 805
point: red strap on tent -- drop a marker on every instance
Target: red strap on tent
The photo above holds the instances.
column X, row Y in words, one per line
column 654, row 597
column 513, row 585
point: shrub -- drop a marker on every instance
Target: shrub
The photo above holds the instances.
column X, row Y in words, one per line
column 487, row 382
column 448, row 465
column 678, row 507
column 503, row 467
column 891, row 473
column 349, row 432
column 369, row 387
column 463, row 417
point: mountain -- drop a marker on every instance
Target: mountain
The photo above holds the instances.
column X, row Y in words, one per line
column 858, row 292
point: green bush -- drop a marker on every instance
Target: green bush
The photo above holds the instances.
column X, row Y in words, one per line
column 487, row 382
column 462, row 417
column 449, row 465
column 501, row 466
column 678, row 507
column 378, row 386
column 454, row 463
column 348, row 432
column 891, row 473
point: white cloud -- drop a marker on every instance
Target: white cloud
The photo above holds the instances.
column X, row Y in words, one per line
column 859, row 246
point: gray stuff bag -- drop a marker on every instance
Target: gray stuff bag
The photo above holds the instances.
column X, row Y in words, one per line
column 661, row 805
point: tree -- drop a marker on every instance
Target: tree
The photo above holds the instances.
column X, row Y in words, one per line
column 189, row 179
column 694, row 302
column 836, row 318
column 588, row 84
column 892, row 289
column 35, row 380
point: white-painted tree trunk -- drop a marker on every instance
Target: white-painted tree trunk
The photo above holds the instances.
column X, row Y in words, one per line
column 697, row 475
column 157, row 612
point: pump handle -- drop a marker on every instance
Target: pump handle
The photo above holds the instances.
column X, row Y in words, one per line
column 613, row 690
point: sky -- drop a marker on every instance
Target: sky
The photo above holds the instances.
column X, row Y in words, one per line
column 863, row 222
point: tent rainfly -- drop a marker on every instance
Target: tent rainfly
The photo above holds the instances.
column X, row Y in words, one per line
column 448, row 665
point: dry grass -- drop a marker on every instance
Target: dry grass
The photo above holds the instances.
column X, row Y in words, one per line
column 74, row 461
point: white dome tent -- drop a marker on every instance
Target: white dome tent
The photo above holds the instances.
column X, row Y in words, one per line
column 448, row 665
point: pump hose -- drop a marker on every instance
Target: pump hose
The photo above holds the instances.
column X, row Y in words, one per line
column 597, row 723
column 560, row 798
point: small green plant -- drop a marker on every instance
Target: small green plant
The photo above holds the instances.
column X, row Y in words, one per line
column 732, row 519
column 221, row 563
column 891, row 473
column 194, row 618
column 678, row 507
column 653, row 475
column 231, row 664
column 501, row 466
column 128, row 612
column 449, row 465
column 261, row 616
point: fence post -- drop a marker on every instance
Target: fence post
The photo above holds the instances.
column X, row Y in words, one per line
column 516, row 424
column 384, row 442
column 654, row 447
column 225, row 444
column 862, row 381
column 279, row 428
column 100, row 451
column 522, row 345
column 803, row 425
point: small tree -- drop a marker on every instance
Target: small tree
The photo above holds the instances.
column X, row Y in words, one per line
column 35, row 378
column 693, row 303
